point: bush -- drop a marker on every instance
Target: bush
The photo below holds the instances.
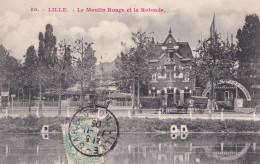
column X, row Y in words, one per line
column 196, row 125
column 150, row 102
column 33, row 124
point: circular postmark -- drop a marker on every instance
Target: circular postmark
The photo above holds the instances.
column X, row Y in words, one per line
column 93, row 131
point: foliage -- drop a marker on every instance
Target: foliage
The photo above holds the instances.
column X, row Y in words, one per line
column 150, row 102
column 216, row 61
column 194, row 125
column 29, row 73
column 47, row 59
column 33, row 124
column 47, row 51
column 134, row 61
column 63, row 69
column 10, row 67
column 249, row 51
column 85, row 69
column 133, row 70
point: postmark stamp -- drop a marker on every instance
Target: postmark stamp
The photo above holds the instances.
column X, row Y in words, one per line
column 93, row 132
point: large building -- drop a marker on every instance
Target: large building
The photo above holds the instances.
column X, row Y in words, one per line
column 172, row 62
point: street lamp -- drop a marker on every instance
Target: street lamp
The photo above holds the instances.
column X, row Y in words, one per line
column 12, row 102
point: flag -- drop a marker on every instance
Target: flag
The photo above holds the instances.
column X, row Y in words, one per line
column 212, row 27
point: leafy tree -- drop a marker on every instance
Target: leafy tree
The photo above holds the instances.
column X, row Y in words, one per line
column 249, row 51
column 10, row 76
column 64, row 70
column 134, row 67
column 85, row 66
column 123, row 80
column 47, row 51
column 47, row 57
column 30, row 76
column 215, row 61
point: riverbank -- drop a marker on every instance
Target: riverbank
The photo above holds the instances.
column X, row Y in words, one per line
column 32, row 124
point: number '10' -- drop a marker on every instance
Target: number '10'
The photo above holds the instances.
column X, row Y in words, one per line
column 34, row 9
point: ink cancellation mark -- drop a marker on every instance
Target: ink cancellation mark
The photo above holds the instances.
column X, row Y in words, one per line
column 93, row 132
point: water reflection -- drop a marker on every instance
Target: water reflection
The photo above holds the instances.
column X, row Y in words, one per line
column 194, row 148
column 138, row 149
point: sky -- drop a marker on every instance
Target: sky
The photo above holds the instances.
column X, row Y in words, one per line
column 188, row 19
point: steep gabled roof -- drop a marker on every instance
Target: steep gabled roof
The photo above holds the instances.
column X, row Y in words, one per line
column 156, row 51
column 184, row 50
column 171, row 39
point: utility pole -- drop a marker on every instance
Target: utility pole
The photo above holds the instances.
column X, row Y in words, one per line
column 101, row 68
column 60, row 83
column 138, row 93
column 82, row 69
column 133, row 98
column 39, row 111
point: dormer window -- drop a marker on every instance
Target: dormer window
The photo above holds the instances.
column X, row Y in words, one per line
column 170, row 41
column 170, row 54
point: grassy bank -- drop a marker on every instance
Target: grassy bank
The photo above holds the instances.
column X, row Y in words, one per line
column 33, row 124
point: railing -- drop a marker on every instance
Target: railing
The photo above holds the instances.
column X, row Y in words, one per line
column 169, row 61
column 24, row 103
column 72, row 103
column 35, row 103
column 121, row 111
column 50, row 103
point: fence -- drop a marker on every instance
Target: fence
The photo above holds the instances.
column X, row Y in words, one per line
column 72, row 103
column 35, row 103
column 138, row 113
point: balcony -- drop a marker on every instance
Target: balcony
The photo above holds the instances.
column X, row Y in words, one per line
column 169, row 61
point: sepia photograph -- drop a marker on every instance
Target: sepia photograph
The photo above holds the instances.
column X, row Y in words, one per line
column 129, row 82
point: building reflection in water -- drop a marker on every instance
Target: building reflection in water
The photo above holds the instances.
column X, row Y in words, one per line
column 180, row 151
column 138, row 149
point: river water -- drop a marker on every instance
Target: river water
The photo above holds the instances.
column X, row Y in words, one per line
column 138, row 148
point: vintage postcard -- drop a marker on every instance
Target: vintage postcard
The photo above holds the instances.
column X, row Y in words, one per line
column 129, row 82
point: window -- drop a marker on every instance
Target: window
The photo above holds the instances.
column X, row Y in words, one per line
column 154, row 93
column 170, row 76
column 186, row 95
column 154, row 77
column 187, row 75
column 226, row 96
column 170, row 54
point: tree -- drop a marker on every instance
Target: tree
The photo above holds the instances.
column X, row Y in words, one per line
column 10, row 76
column 47, row 50
column 122, row 77
column 249, row 51
column 85, row 66
column 63, row 69
column 215, row 61
column 47, row 57
column 134, row 67
column 30, row 76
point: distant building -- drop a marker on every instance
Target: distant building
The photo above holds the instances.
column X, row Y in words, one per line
column 172, row 62
column 104, row 79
